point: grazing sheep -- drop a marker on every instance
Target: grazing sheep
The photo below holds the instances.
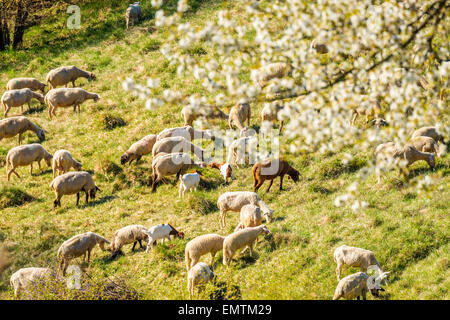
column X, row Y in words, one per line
column 177, row 144
column 319, row 47
column 208, row 112
column 270, row 169
column 67, row 97
column 17, row 125
column 25, row 278
column 18, row 97
column 186, row 132
column 161, row 231
column 273, row 70
column 139, row 149
column 270, row 113
column 239, row 239
column 238, row 114
column 425, row 144
column 250, row 217
column 354, row 286
column 22, row 83
column 234, row 201
column 429, row 132
column 63, row 75
column 197, row 276
column 25, row 155
column 172, row 163
column 63, row 161
column 226, row 170
column 374, row 109
column 189, row 182
column 133, row 13
column 201, row 245
column 73, row 183
column 78, row 245
column 130, row 234
column 355, row 257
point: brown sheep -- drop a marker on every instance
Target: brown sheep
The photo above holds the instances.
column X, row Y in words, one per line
column 270, row 169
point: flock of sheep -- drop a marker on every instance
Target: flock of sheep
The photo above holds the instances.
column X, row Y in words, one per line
column 169, row 158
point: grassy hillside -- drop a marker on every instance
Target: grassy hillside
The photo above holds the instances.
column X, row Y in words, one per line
column 408, row 233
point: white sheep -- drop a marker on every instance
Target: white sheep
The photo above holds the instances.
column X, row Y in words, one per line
column 161, row 232
column 234, row 201
column 425, row 144
column 201, row 245
column 79, row 245
column 198, row 276
column 238, row 114
column 209, row 112
column 355, row 286
column 189, row 182
column 63, row 161
column 133, row 13
column 9, row 127
column 177, row 144
column 22, row 83
column 226, row 170
column 250, row 217
column 25, row 155
column 239, row 239
column 139, row 149
column 429, row 132
column 186, row 132
column 63, row 75
column 25, row 278
column 130, row 234
column 67, row 97
column 73, row 183
column 18, row 97
column 273, row 70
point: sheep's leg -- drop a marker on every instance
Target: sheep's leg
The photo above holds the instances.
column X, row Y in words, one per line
column 39, row 165
column 140, row 244
column 281, row 182
column 180, row 191
column 134, row 244
column 87, row 197
column 84, row 257
column 137, row 159
column 155, row 181
column 7, row 110
column 89, row 255
column 29, row 106
column 213, row 254
column 31, row 168
column 78, row 198
column 352, row 122
column 260, row 183
column 270, row 184
column 13, row 171
column 281, row 127
column 20, row 138
column 73, row 83
column 338, row 271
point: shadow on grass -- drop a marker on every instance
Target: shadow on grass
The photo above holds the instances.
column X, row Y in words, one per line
column 39, row 109
column 99, row 201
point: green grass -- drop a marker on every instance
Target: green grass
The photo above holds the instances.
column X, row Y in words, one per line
column 407, row 232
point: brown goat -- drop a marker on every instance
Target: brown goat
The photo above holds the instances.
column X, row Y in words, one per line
column 273, row 168
column 226, row 172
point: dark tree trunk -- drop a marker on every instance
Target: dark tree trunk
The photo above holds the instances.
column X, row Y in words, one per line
column 20, row 23
column 4, row 31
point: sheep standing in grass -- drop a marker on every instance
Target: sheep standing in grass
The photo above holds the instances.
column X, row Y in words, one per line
column 429, row 132
column 25, row 155
column 67, row 97
column 22, row 83
column 373, row 110
column 208, row 112
column 239, row 239
column 189, row 182
column 130, row 234
column 270, row 113
column 234, row 201
column 186, row 132
column 73, row 183
column 161, row 232
column 425, row 144
column 79, row 245
column 18, row 97
column 139, row 149
column 172, row 163
column 133, row 13
column 201, row 245
column 238, row 114
column 9, row 127
column 198, row 276
column 250, row 217
column 63, row 161
column 272, row 71
column 270, row 169
column 226, row 170
column 24, row 278
column 354, row 286
column 242, row 150
column 63, row 75
column 177, row 144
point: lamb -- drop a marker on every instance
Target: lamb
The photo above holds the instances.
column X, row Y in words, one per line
column 201, row 245
column 250, row 217
column 24, row 278
column 186, row 132
column 354, row 286
column 429, row 132
column 63, row 75
column 139, row 149
column 133, row 13
column 18, row 97
column 73, row 183
column 270, row 169
column 374, row 109
column 130, row 234
column 319, row 47
column 189, row 182
column 63, row 161
column 355, row 257
column 17, row 125
column 270, row 112
column 234, row 201
column 22, row 83
column 239, row 239
column 197, row 276
column 78, row 245
column 161, row 231
column 25, row 155
column 177, row 144
column 425, row 144
column 273, row 70
column 208, row 112
column 67, row 97
column 238, row 114
column 226, row 170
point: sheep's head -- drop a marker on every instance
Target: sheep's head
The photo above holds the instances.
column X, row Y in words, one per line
column 124, row 158
column 198, row 172
column 268, row 216
column 48, row 159
column 41, row 98
column 41, row 135
column 78, row 166
column 102, row 243
column 375, row 292
column 93, row 191
column 432, row 160
column 96, row 97
column 91, row 76
column 180, row 235
column 265, row 230
column 42, row 87
column 294, row 175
